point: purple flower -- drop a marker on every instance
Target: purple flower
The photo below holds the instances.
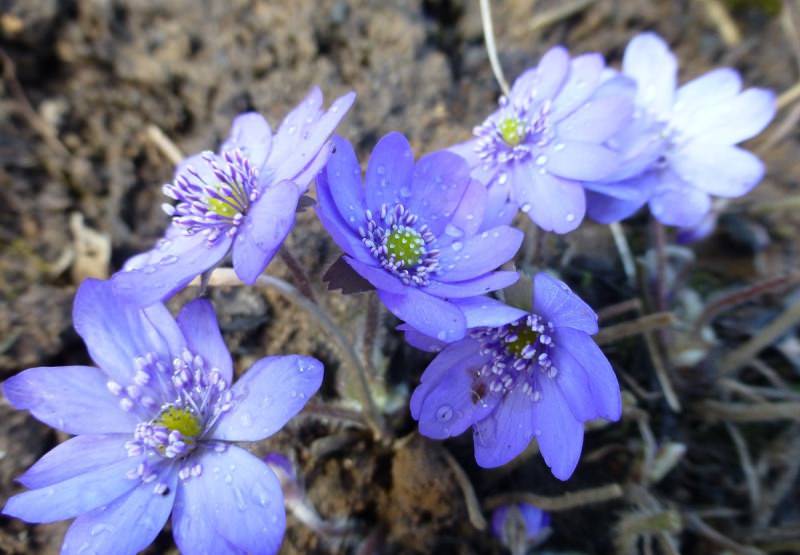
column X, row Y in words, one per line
column 681, row 148
column 520, row 526
column 541, row 376
column 242, row 200
column 154, row 425
column 414, row 232
column 546, row 138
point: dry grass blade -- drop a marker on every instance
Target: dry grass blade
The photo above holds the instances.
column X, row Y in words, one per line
column 564, row 502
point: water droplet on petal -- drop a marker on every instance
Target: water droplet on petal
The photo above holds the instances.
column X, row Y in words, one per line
column 444, row 413
column 570, row 217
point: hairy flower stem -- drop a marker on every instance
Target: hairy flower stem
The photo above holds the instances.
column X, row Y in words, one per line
column 491, row 47
column 298, row 274
column 226, row 277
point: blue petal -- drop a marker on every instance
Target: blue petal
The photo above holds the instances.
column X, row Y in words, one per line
column 479, row 286
column 341, row 232
column 487, row 312
column 559, row 434
column 73, row 399
column 553, row 299
column 126, row 526
column 388, row 179
column 236, row 499
column 479, row 254
column 344, row 173
column 554, row 204
column 198, row 322
column 453, row 355
column 585, row 73
column 270, row 394
column 428, row 314
column 437, row 187
column 250, row 133
column 75, row 456
column 507, row 432
column 116, row 332
column 76, row 495
column 548, row 77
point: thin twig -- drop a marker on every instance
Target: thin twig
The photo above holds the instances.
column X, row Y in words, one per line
column 661, row 372
column 722, row 20
column 371, row 322
column 788, row 96
column 625, row 254
column 739, row 357
column 697, row 525
column 643, row 324
column 491, row 47
column 614, row 310
column 746, row 462
column 164, row 144
column 564, row 502
column 559, row 12
column 750, row 412
column 470, row 499
column 226, row 277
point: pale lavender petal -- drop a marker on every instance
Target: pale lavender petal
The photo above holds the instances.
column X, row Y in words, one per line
column 437, row 187
column 388, row 179
column 734, row 120
column 126, row 526
column 116, row 332
column 555, row 301
column 678, row 203
column 76, row 495
column 269, row 394
column 266, row 225
column 169, row 267
column 469, row 215
column 69, row 398
column 420, row 340
column 559, row 434
column 479, row 254
column 606, row 209
column 548, row 77
column 500, row 209
column 721, row 170
column 585, row 73
column 649, row 61
column 75, row 456
column 602, row 380
column 198, row 322
column 250, row 134
column 505, row 433
column 552, row 203
column 714, row 88
column 479, row 286
column 580, row 160
column 306, row 141
column 596, row 121
column 241, row 503
column 428, row 314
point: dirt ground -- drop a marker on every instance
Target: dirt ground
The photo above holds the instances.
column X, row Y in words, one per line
column 85, row 81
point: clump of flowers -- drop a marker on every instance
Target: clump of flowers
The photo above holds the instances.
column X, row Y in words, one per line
column 413, row 231
column 547, row 137
column 155, row 423
column 240, row 201
column 681, row 149
column 540, row 377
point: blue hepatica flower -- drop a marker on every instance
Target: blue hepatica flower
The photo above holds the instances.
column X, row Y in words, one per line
column 520, row 526
column 242, row 200
column 414, row 231
column 680, row 150
column 154, row 425
column 541, row 377
column 546, row 137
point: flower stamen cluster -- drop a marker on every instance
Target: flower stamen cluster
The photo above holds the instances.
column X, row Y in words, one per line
column 213, row 203
column 515, row 131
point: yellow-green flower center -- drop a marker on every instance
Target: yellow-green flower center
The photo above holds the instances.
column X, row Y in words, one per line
column 525, row 336
column 406, row 246
column 512, row 130
column 180, row 420
column 222, row 207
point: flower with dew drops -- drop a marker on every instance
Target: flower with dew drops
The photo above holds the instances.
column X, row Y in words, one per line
column 541, row 376
column 155, row 423
column 242, row 200
column 680, row 150
column 546, row 137
column 414, row 232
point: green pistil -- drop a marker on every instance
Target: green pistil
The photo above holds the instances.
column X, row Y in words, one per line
column 180, row 420
column 222, row 207
column 525, row 336
column 511, row 129
column 406, row 246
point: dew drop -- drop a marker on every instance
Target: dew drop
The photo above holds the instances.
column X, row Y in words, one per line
column 381, row 169
column 453, row 231
column 150, row 269
column 101, row 528
column 541, row 160
column 167, row 260
column 570, row 217
column 228, row 479
column 444, row 413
